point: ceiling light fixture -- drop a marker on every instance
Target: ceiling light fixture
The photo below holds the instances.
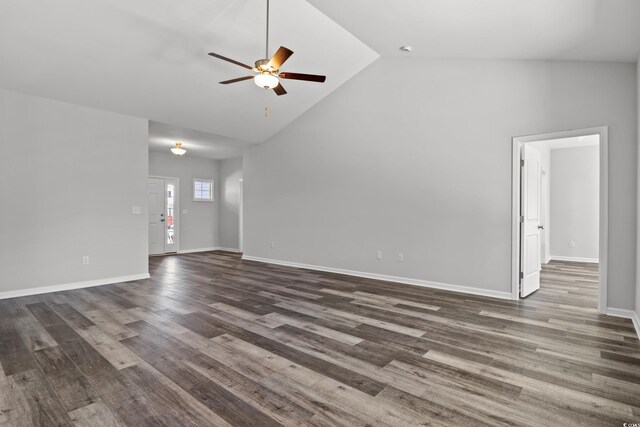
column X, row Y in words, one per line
column 407, row 49
column 266, row 80
column 178, row 150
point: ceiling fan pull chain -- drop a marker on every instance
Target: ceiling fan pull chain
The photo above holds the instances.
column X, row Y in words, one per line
column 266, row 103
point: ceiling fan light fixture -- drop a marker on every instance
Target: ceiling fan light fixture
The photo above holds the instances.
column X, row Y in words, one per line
column 266, row 80
column 178, row 150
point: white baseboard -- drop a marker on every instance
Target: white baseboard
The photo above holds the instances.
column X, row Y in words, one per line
column 574, row 259
column 404, row 280
column 627, row 314
column 191, row 251
column 236, row 250
column 213, row 248
column 70, row 286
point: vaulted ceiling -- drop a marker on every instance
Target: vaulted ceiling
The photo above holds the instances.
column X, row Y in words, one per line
column 148, row 58
column 580, row 30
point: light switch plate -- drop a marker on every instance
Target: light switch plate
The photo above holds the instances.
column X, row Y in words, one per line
column 184, row 211
column 136, row 210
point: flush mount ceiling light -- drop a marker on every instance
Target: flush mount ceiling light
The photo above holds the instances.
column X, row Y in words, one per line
column 178, row 150
column 268, row 70
column 406, row 48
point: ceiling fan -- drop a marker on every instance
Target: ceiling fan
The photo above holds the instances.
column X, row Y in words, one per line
column 268, row 70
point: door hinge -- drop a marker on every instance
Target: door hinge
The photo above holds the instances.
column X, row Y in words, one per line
column 521, row 163
column 521, row 275
column 522, row 219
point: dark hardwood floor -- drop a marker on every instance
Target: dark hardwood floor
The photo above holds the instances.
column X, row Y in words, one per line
column 568, row 284
column 214, row 340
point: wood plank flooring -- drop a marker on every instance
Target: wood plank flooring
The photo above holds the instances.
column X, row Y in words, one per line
column 211, row 340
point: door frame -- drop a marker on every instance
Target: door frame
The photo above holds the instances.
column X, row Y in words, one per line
column 177, row 212
column 241, row 214
column 517, row 144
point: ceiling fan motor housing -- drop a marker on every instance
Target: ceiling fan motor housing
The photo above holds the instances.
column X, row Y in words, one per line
column 263, row 65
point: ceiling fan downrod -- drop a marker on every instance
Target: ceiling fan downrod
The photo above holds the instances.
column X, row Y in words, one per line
column 266, row 49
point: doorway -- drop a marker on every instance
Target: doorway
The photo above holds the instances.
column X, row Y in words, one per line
column 163, row 215
column 532, row 244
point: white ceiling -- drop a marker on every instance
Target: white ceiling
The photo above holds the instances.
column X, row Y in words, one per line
column 590, row 30
column 163, row 137
column 148, row 58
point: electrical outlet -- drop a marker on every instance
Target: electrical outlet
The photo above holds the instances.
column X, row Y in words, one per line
column 272, row 245
column 379, row 255
column 572, row 244
column 400, row 257
column 85, row 260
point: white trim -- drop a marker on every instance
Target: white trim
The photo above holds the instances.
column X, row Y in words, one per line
column 603, row 132
column 627, row 314
column 240, row 214
column 191, row 251
column 395, row 279
column 212, row 248
column 574, row 259
column 235, row 250
column 70, row 286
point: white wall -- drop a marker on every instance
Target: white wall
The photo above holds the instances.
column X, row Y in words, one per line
column 230, row 175
column 69, row 176
column 575, row 203
column 414, row 155
column 199, row 227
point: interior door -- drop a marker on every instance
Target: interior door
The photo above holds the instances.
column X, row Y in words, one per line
column 155, row 188
column 530, row 221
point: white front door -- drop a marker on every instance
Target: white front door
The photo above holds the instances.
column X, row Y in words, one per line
column 530, row 221
column 163, row 212
column 156, row 215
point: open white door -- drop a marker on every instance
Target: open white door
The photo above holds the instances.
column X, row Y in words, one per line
column 156, row 215
column 530, row 221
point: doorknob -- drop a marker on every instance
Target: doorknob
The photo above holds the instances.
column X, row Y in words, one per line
column 161, row 219
column 541, row 227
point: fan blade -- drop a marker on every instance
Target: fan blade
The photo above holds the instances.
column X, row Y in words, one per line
column 279, row 90
column 239, row 79
column 224, row 58
column 279, row 58
column 305, row 77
